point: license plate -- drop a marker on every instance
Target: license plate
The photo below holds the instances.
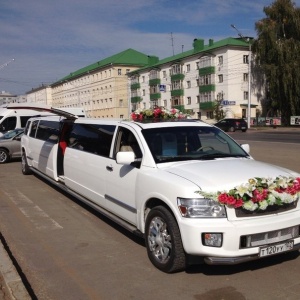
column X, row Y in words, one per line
column 275, row 249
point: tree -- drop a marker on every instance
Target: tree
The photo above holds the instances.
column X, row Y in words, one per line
column 277, row 53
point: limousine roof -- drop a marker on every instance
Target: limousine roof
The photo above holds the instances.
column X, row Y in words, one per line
column 42, row 108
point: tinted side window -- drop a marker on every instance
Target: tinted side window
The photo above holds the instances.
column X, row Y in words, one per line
column 9, row 123
column 24, row 120
column 48, row 131
column 92, row 138
column 33, row 128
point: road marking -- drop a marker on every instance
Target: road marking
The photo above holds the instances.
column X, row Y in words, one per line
column 33, row 212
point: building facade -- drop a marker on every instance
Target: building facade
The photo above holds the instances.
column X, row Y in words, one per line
column 101, row 89
column 40, row 95
column 6, row 98
column 196, row 80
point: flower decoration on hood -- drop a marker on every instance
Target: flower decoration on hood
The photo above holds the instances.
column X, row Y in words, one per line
column 259, row 193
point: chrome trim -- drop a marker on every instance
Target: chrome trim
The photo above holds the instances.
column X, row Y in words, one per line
column 120, row 203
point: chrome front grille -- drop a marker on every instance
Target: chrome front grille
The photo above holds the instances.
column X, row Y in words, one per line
column 265, row 238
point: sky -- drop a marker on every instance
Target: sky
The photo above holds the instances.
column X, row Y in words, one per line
column 44, row 40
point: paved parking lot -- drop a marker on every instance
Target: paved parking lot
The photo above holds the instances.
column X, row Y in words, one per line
column 90, row 258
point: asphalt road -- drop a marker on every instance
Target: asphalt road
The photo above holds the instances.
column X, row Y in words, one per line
column 67, row 251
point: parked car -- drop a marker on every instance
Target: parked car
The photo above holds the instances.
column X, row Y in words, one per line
column 232, row 124
column 10, row 145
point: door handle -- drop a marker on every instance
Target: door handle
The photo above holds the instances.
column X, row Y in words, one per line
column 109, row 168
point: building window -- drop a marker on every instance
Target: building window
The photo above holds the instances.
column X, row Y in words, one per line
column 246, row 95
column 188, row 83
column 121, row 116
column 245, row 77
column 220, row 60
column 119, row 71
column 154, row 103
column 244, row 113
column 143, row 92
column 127, row 71
column 210, row 114
column 188, row 68
column 164, row 74
column 198, row 99
column 176, row 69
column 205, row 61
column 165, row 103
column 143, row 78
column 205, row 80
column 121, row 103
column 245, row 59
column 189, row 100
column 197, row 65
column 220, row 78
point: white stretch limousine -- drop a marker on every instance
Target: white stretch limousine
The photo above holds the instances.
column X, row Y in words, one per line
column 185, row 186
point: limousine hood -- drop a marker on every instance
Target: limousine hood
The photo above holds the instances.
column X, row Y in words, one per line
column 225, row 174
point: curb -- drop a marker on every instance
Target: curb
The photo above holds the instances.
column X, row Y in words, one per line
column 13, row 282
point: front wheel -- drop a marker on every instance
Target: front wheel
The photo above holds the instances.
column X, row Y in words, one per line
column 4, row 156
column 25, row 168
column 163, row 241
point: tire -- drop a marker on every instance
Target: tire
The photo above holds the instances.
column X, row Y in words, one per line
column 244, row 130
column 25, row 168
column 4, row 156
column 163, row 241
column 231, row 129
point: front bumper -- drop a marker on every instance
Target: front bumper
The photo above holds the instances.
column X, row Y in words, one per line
column 211, row 260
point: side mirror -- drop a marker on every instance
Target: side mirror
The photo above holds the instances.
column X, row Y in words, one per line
column 17, row 138
column 125, row 158
column 246, row 147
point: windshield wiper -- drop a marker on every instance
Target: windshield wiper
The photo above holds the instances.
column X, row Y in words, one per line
column 221, row 155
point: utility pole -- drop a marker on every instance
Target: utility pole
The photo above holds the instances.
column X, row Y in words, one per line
column 172, row 42
column 5, row 64
column 249, row 73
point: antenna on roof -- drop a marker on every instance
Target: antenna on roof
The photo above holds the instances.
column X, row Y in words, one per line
column 172, row 40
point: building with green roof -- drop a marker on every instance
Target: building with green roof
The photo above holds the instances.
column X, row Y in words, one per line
column 101, row 88
column 199, row 80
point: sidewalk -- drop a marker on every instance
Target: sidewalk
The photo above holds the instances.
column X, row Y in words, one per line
column 11, row 285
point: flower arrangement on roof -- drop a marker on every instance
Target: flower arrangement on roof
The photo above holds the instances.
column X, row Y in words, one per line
column 157, row 113
column 259, row 193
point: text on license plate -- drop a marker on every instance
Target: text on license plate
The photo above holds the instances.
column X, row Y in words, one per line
column 277, row 248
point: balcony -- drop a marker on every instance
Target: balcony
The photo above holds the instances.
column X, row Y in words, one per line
column 207, row 105
column 155, row 96
column 135, row 86
column 177, row 93
column 207, row 88
column 153, row 82
column 136, row 99
column 207, row 70
column 177, row 77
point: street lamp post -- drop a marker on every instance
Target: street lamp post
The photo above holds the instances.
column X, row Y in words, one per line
column 249, row 74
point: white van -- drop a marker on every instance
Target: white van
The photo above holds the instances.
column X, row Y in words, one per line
column 186, row 186
column 12, row 116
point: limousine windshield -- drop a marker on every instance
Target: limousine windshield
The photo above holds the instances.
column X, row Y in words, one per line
column 190, row 143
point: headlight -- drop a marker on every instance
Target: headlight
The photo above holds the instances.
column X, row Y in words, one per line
column 200, row 208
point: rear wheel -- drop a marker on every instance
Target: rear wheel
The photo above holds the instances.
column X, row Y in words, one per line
column 4, row 156
column 231, row 129
column 163, row 241
column 25, row 168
